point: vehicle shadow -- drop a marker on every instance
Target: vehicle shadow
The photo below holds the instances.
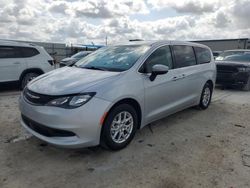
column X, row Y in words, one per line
column 7, row 87
column 229, row 88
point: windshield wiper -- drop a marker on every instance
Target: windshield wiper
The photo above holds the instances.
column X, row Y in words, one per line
column 95, row 68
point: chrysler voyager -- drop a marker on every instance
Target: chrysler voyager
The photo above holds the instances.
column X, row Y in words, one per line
column 108, row 95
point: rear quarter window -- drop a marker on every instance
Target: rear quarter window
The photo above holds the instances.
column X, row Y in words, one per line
column 203, row 55
column 28, row 51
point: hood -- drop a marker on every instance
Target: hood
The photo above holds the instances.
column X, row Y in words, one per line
column 232, row 63
column 68, row 80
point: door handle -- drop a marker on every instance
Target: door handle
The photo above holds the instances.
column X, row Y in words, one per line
column 16, row 63
column 176, row 78
column 179, row 77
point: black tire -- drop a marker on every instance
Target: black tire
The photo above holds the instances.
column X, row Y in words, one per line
column 27, row 78
column 246, row 87
column 204, row 103
column 106, row 139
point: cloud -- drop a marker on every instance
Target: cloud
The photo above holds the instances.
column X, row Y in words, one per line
column 187, row 6
column 89, row 21
column 221, row 20
column 241, row 13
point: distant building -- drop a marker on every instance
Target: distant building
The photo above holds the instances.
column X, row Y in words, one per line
column 226, row 44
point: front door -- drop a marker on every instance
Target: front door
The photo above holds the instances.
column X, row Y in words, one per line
column 163, row 95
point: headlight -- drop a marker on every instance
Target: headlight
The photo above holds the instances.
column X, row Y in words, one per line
column 72, row 101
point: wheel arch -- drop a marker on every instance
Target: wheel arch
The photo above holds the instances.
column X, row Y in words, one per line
column 31, row 70
column 134, row 103
column 210, row 82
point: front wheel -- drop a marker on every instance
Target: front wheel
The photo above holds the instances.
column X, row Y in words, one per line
column 206, row 96
column 27, row 78
column 119, row 128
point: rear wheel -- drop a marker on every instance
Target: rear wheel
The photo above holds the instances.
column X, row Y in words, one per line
column 119, row 127
column 206, row 96
column 27, row 78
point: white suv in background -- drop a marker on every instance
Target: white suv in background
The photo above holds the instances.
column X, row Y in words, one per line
column 22, row 62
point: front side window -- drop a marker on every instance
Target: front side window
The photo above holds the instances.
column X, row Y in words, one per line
column 113, row 58
column 160, row 56
column 184, row 56
column 203, row 55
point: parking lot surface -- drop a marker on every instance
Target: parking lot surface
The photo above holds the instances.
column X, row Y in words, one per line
column 192, row 148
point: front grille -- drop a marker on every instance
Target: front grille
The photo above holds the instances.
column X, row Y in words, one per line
column 44, row 130
column 226, row 69
column 36, row 98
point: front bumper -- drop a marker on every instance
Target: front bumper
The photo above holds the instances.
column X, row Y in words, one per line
column 238, row 78
column 82, row 123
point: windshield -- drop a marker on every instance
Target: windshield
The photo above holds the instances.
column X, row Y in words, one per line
column 223, row 55
column 113, row 58
column 80, row 54
column 239, row 58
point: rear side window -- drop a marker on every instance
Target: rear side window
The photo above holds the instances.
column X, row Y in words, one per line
column 203, row 55
column 184, row 56
column 160, row 56
column 8, row 52
column 27, row 51
column 17, row 52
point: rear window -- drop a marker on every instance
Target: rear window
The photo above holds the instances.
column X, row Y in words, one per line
column 203, row 55
column 17, row 52
column 184, row 56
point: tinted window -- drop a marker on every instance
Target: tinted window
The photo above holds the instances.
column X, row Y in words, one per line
column 224, row 54
column 160, row 56
column 8, row 52
column 203, row 55
column 27, row 51
column 240, row 58
column 17, row 52
column 184, row 56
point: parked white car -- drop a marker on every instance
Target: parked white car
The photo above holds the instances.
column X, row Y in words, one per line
column 21, row 62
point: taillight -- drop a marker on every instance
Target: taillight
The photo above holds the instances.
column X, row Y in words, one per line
column 51, row 62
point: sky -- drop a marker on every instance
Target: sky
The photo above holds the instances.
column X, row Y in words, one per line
column 91, row 21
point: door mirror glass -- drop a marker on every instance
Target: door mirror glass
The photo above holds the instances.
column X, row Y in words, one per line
column 158, row 69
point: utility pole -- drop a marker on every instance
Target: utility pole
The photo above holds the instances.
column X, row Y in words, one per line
column 106, row 39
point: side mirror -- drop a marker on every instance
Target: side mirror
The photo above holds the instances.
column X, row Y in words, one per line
column 158, row 69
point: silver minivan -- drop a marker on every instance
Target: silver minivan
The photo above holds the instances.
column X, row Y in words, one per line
column 105, row 97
